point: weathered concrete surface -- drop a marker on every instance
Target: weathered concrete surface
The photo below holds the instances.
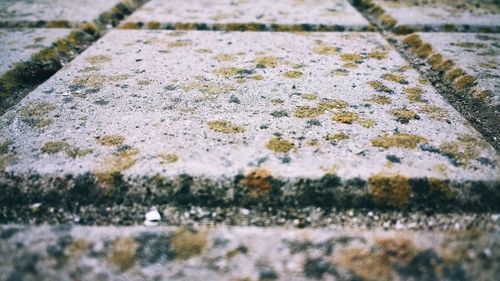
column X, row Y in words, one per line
column 244, row 253
column 228, row 14
column 55, row 12
column 448, row 15
column 475, row 54
column 246, row 110
column 20, row 45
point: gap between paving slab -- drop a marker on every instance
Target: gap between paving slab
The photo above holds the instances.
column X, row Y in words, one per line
column 244, row 253
column 186, row 135
column 26, row 75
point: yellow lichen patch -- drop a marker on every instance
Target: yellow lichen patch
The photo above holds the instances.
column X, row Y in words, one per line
column 351, row 57
column 442, row 169
column 123, row 253
column 203, row 51
column 424, row 50
column 113, row 165
column 339, row 72
column 97, row 80
column 209, row 88
column 404, row 115
column 380, row 99
column 397, row 78
column 463, row 82
column 390, row 190
column 313, row 142
column 228, row 72
column 453, row 74
column 328, row 104
column 97, row 59
column 53, row 147
column 482, row 94
column 378, row 54
column 169, row 158
column 305, row 111
column 346, row 117
column 364, row 264
column 413, row 40
column 179, row 43
column 188, row 243
column 110, row 140
column 414, row 94
column 309, row 96
column 129, row 25
column 336, row 137
column 402, row 140
column 34, row 114
column 465, row 149
column 225, row 57
column 387, row 20
column 77, row 247
column 324, row 49
column 267, row 61
column 258, row 182
column 365, row 122
column 257, row 77
column 435, row 112
column 435, row 60
column 226, row 127
column 293, row 74
column 279, row 145
column 470, row 45
column 153, row 25
column 445, row 65
column 379, row 86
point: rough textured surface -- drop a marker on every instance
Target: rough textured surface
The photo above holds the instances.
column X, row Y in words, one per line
column 56, row 12
column 244, row 110
column 330, row 13
column 475, row 54
column 20, row 45
column 244, row 253
column 462, row 15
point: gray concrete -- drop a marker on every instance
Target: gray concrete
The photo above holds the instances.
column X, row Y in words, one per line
column 20, row 45
column 53, row 10
column 282, row 12
column 476, row 54
column 244, row 253
column 451, row 14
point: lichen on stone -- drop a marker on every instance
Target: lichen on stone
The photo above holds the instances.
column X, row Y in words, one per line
column 97, row 59
column 110, row 140
column 379, row 99
column 279, row 145
column 53, row 147
column 336, row 137
column 401, row 140
column 257, row 183
column 123, row 253
column 293, row 74
column 188, row 243
column 404, row 115
column 35, row 114
column 266, row 61
column 169, row 158
column 390, row 190
column 324, row 49
column 226, row 127
column 414, row 94
column 397, row 78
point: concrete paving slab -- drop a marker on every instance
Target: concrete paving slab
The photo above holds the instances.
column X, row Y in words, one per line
column 228, row 14
column 254, row 116
column 56, row 13
column 474, row 54
column 448, row 15
column 20, row 45
column 244, row 253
